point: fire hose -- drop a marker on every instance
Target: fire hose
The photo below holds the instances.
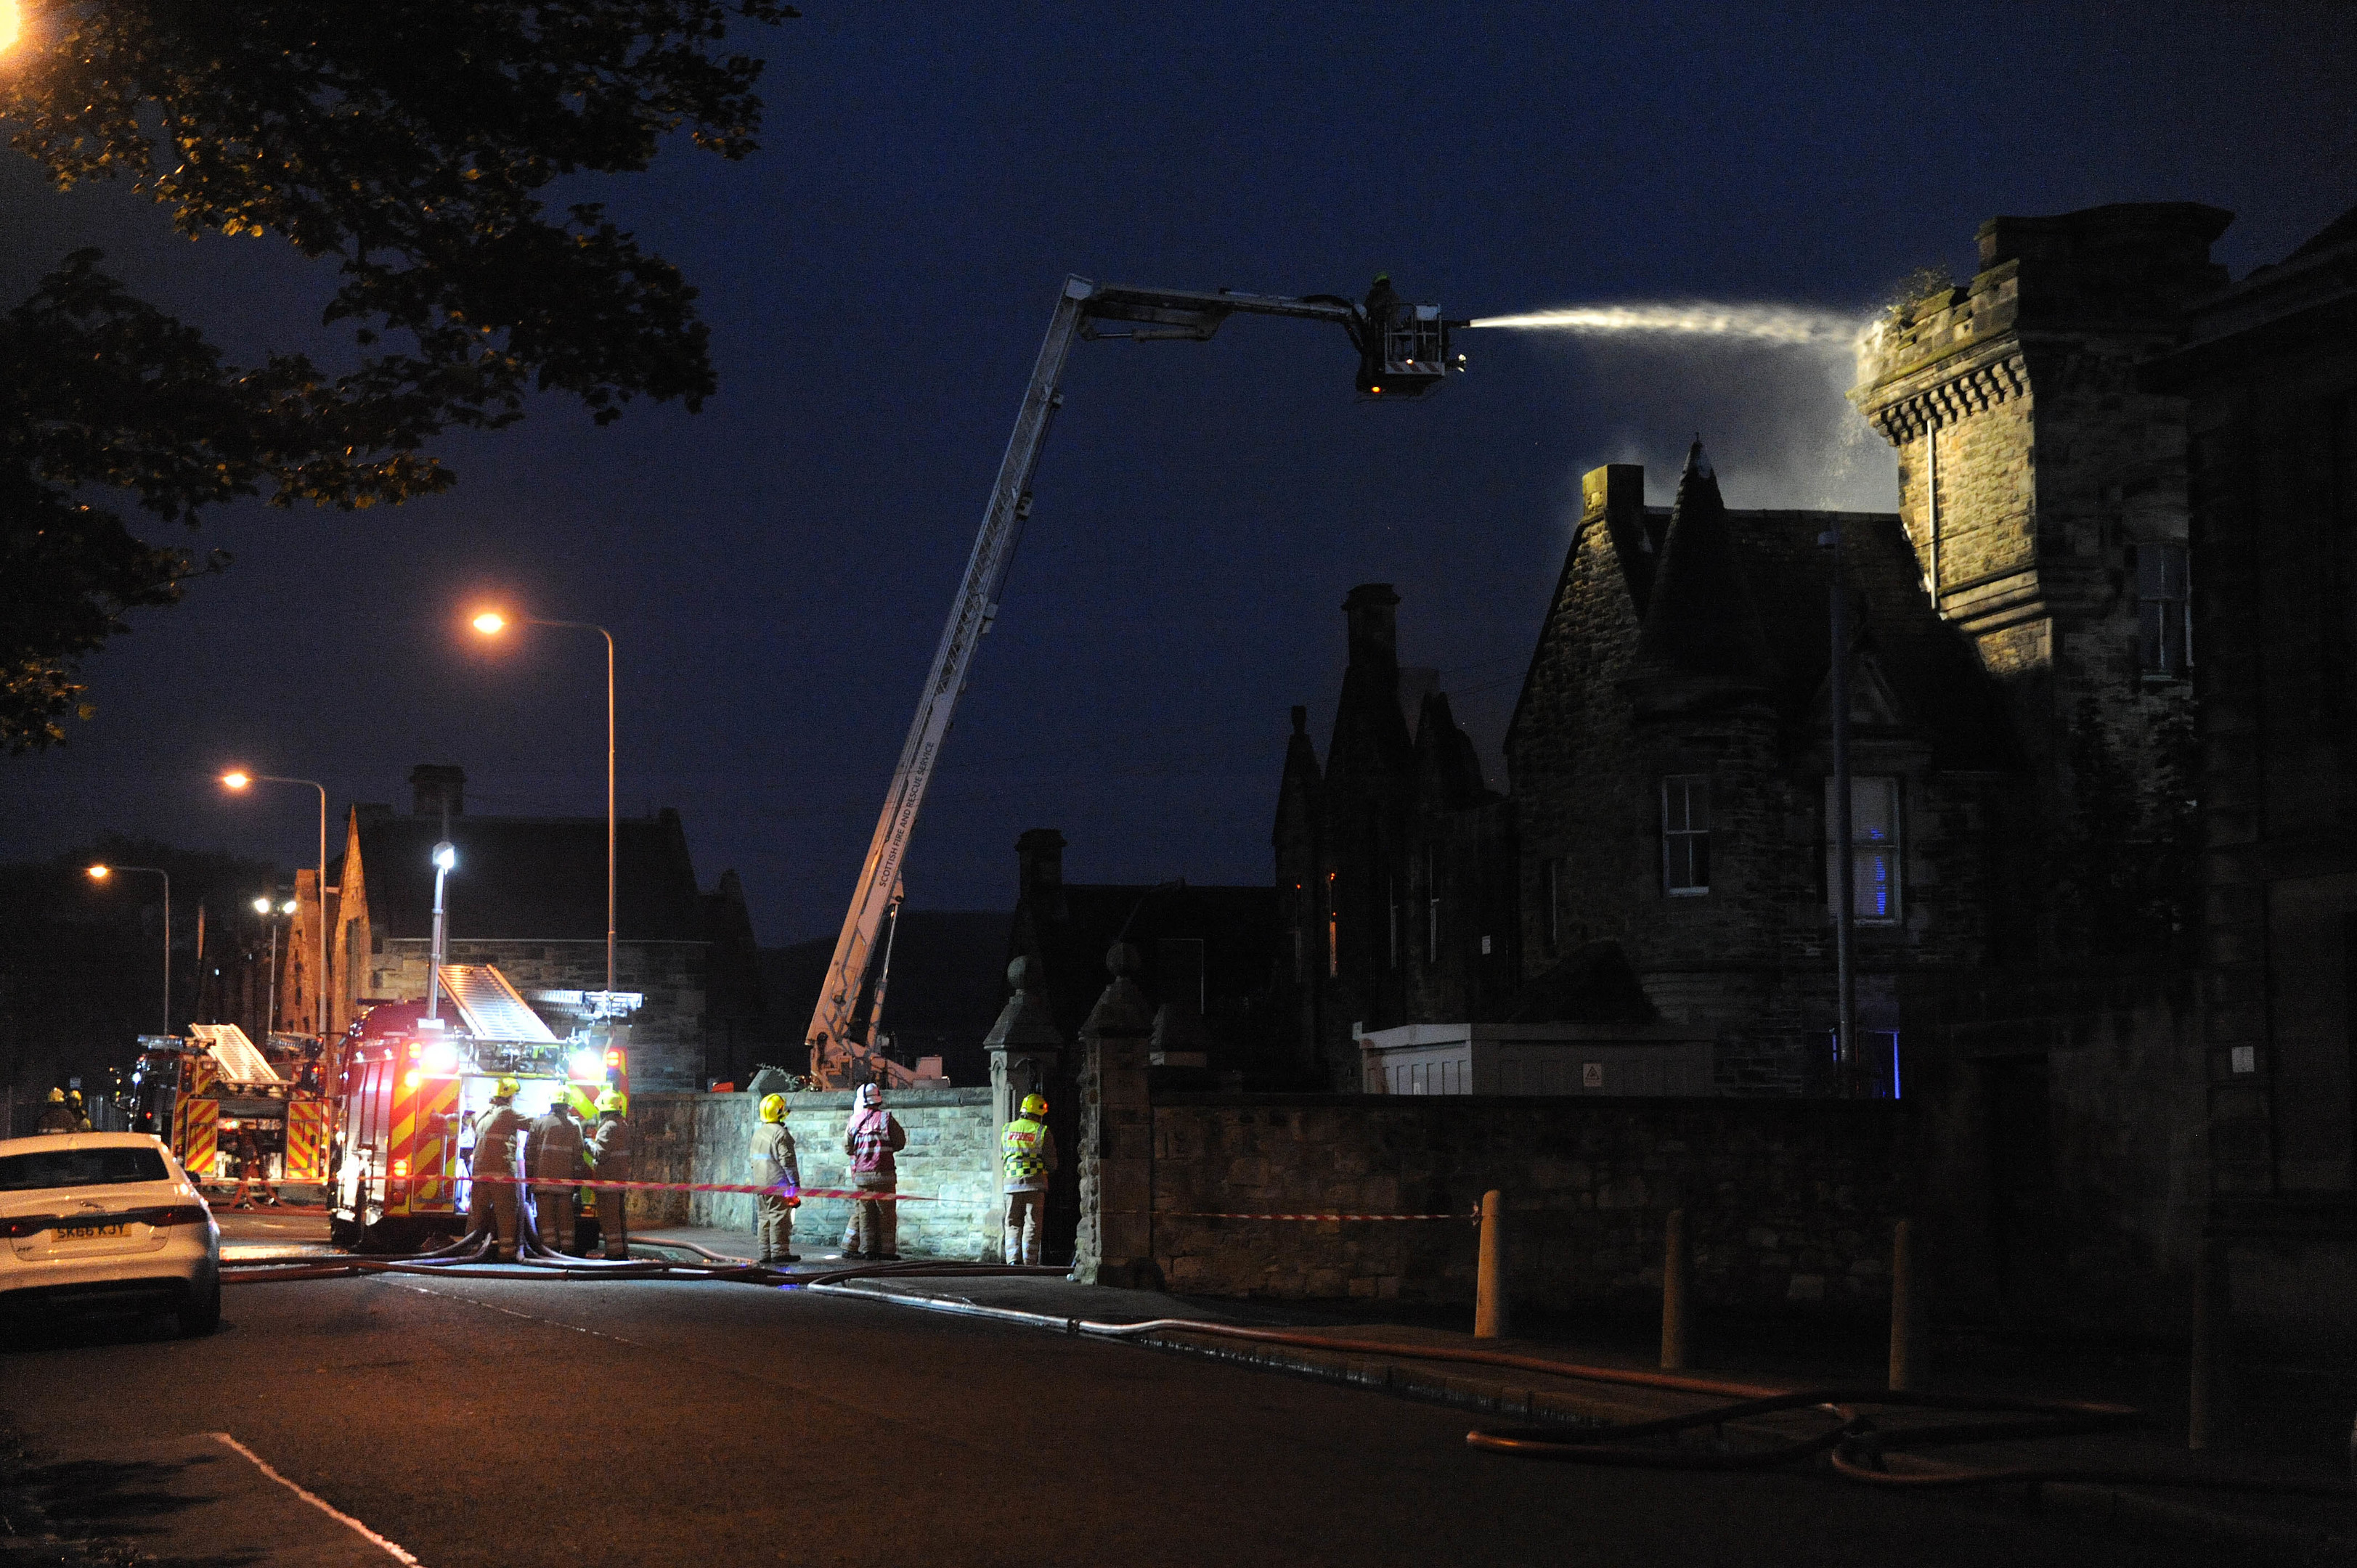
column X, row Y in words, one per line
column 1857, row 1446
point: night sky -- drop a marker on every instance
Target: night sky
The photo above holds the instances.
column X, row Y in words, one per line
column 877, row 279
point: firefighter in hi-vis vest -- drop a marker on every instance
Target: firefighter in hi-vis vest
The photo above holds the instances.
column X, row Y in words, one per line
column 774, row 1166
column 1028, row 1149
column 491, row 1204
column 609, row 1155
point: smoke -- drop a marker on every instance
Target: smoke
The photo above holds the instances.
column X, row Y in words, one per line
column 1762, row 385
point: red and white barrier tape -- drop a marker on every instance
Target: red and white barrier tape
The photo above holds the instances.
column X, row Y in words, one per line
column 864, row 1195
column 1213, row 1214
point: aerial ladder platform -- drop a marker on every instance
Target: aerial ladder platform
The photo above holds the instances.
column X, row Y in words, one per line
column 1404, row 353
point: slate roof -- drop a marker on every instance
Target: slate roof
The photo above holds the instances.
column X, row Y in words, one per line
column 1740, row 604
column 1700, row 624
column 526, row 878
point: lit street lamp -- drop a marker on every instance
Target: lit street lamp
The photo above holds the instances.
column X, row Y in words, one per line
column 491, row 623
column 445, row 855
column 264, row 907
column 240, row 780
column 100, row 873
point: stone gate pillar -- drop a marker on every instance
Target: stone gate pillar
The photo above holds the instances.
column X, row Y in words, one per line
column 1024, row 1049
column 1116, row 1152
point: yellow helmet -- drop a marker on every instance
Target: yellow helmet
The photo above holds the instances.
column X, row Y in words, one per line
column 773, row 1108
column 613, row 1102
column 505, row 1088
column 56, row 1097
column 1035, row 1105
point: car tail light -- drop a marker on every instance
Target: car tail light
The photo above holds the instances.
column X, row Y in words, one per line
column 179, row 1214
column 29, row 1225
column 401, row 1168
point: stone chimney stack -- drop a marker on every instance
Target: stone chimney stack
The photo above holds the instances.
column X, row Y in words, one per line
column 438, row 789
column 1374, row 613
column 1039, row 859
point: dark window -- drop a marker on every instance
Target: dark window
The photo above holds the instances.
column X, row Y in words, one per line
column 83, row 1167
column 2165, row 626
column 1874, row 850
column 1685, row 835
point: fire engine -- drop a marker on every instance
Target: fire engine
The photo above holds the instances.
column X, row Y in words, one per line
column 410, row 1088
column 199, row 1093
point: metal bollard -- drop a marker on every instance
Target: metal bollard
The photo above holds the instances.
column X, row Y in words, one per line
column 1906, row 1312
column 2209, row 1325
column 1490, row 1306
column 1673, row 1291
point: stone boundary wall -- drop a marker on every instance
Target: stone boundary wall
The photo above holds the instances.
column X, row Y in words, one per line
column 1789, row 1203
column 953, row 1156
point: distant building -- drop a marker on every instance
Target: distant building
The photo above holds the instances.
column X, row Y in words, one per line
column 529, row 895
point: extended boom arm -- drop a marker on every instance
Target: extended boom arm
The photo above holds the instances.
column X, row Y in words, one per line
column 1152, row 313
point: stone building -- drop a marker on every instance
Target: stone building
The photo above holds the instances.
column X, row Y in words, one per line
column 529, row 895
column 1394, row 861
column 2269, row 368
column 1670, row 760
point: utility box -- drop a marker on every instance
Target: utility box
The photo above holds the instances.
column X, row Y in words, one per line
column 1535, row 1058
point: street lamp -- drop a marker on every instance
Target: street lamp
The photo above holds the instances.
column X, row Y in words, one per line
column 264, row 907
column 239, row 779
column 100, row 873
column 12, row 23
column 491, row 623
column 445, row 855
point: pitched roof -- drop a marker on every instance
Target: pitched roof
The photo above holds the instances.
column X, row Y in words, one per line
column 1700, row 625
column 524, row 878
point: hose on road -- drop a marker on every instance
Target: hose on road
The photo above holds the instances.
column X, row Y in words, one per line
column 1859, row 1447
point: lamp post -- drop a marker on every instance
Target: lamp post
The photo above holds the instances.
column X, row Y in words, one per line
column 445, row 855
column 240, row 780
column 100, row 873
column 491, row 623
column 1844, row 855
column 264, row 907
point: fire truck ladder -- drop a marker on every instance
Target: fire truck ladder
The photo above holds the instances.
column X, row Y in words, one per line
column 1153, row 314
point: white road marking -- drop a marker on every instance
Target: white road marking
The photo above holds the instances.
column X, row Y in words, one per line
column 528, row 1317
column 395, row 1551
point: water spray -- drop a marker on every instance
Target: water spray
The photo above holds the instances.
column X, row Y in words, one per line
column 1755, row 323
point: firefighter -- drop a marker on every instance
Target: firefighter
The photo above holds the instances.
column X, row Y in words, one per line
column 609, row 1155
column 1027, row 1150
column 552, row 1158
column 56, row 1116
column 869, row 1140
column 252, row 1169
column 773, row 1157
column 81, row 1111
column 493, row 1171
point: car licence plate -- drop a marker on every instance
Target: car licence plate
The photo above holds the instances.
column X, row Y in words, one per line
column 89, row 1232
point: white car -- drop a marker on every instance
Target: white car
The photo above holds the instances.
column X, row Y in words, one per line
column 105, row 1220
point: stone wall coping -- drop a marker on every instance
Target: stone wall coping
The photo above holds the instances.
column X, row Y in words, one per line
column 1762, row 1107
column 836, row 1099
column 1404, row 1036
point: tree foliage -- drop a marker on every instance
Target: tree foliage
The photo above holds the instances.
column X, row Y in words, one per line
column 413, row 140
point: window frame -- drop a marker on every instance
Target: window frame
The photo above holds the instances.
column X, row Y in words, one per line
column 2161, row 612
column 1681, row 841
column 1894, row 849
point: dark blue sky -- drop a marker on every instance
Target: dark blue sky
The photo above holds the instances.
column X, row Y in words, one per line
column 876, row 280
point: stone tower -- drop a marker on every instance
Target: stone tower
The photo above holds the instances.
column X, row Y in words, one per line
column 2044, row 491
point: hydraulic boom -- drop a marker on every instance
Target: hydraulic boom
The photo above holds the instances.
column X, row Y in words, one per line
column 1403, row 352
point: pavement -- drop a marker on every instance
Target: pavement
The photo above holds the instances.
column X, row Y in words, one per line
column 540, row 1420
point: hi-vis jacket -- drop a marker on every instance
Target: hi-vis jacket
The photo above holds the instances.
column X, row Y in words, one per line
column 1027, row 1150
column 609, row 1148
column 495, row 1141
column 554, row 1151
column 773, row 1156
